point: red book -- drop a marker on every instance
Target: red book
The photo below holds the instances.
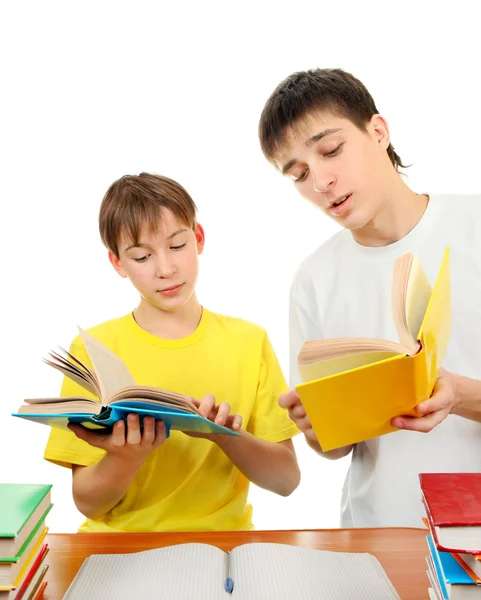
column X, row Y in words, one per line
column 453, row 508
column 32, row 572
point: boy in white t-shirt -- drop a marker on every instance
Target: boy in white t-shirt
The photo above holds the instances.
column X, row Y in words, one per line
column 323, row 130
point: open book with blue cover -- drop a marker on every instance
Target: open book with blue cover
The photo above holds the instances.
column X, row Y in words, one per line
column 118, row 394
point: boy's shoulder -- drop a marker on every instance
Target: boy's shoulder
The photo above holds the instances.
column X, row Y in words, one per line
column 333, row 247
column 449, row 200
column 121, row 327
column 108, row 331
column 456, row 209
column 235, row 326
column 460, row 207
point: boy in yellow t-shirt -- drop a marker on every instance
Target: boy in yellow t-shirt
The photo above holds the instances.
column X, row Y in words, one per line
column 137, row 480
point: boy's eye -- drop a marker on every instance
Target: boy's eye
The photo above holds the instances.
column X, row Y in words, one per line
column 177, row 247
column 301, row 177
column 334, row 151
column 142, row 258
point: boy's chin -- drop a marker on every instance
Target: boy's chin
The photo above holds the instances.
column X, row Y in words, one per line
column 354, row 221
column 171, row 307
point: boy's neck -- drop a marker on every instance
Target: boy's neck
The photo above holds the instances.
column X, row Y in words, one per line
column 400, row 212
column 169, row 325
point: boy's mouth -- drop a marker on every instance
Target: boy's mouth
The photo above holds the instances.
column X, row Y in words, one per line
column 340, row 206
column 171, row 290
column 340, row 201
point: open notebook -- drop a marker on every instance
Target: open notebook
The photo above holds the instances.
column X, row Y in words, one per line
column 258, row 572
column 353, row 387
column 111, row 382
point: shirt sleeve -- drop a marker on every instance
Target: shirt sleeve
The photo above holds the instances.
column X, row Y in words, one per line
column 268, row 420
column 304, row 322
column 63, row 447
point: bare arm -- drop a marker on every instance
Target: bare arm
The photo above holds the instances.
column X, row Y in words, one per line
column 99, row 487
column 468, row 398
column 270, row 465
column 330, row 454
column 291, row 401
column 453, row 394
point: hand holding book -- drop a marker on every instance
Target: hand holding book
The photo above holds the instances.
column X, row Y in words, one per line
column 126, row 440
column 433, row 411
column 134, row 440
column 355, row 389
column 217, row 413
column 118, row 396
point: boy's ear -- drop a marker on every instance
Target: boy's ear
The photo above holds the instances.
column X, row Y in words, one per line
column 115, row 260
column 380, row 130
column 200, row 238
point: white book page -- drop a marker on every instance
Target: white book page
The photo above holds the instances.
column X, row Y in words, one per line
column 467, row 538
column 181, row 572
column 74, row 375
column 278, row 572
column 324, row 368
column 112, row 373
column 432, row 594
column 418, row 294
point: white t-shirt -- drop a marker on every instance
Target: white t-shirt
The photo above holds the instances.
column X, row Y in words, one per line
column 344, row 290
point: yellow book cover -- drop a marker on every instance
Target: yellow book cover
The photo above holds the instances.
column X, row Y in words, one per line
column 352, row 388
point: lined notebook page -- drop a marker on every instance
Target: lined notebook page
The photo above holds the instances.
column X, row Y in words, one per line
column 278, row 572
column 259, row 571
column 183, row 572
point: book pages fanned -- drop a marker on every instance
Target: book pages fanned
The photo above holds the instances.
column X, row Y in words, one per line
column 112, row 373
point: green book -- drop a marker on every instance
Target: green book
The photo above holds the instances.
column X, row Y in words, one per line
column 21, row 507
column 12, row 567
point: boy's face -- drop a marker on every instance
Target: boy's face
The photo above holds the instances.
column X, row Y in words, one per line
column 338, row 167
column 164, row 266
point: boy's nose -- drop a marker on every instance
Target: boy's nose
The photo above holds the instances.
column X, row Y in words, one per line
column 322, row 180
column 165, row 269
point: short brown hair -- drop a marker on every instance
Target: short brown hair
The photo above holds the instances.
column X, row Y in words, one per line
column 134, row 202
column 304, row 92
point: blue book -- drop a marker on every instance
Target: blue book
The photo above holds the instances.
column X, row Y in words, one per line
column 451, row 576
column 118, row 395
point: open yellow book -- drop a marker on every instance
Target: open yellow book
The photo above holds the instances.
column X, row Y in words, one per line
column 353, row 387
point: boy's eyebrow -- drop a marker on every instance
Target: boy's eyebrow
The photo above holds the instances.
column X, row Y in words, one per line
column 318, row 136
column 141, row 245
column 312, row 140
column 169, row 237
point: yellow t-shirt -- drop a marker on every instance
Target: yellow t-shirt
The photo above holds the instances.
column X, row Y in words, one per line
column 187, row 484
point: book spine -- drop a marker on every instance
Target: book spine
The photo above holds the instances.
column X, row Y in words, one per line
column 423, row 375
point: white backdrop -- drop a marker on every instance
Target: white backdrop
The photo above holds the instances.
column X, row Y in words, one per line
column 94, row 90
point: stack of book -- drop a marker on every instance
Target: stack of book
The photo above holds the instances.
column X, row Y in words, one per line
column 23, row 510
column 453, row 515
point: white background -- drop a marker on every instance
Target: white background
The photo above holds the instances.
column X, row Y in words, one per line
column 93, row 90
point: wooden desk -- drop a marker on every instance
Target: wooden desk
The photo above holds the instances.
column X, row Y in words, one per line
column 401, row 552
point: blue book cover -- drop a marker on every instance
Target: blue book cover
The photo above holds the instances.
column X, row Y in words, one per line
column 173, row 419
column 118, row 394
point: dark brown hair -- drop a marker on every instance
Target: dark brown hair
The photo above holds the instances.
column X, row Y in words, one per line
column 304, row 92
column 135, row 202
